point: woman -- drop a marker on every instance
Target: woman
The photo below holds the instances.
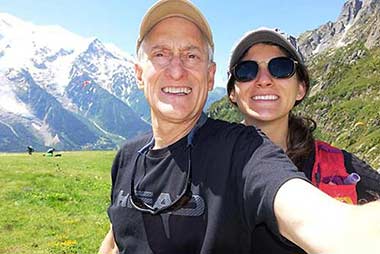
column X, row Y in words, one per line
column 267, row 79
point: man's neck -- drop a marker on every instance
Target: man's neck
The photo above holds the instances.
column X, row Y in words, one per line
column 166, row 133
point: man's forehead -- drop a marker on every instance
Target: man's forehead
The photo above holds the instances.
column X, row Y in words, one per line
column 175, row 31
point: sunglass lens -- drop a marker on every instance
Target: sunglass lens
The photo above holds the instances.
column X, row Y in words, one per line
column 281, row 67
column 246, row 71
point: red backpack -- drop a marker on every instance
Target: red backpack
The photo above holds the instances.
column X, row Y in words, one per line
column 329, row 172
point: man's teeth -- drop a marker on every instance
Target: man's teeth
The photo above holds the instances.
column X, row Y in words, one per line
column 177, row 90
column 265, row 97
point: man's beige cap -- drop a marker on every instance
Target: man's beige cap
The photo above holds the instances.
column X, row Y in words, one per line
column 173, row 8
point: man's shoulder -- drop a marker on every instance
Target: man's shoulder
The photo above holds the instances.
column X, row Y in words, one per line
column 224, row 135
column 137, row 142
column 220, row 128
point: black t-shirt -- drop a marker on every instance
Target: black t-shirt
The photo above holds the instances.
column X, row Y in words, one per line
column 368, row 189
column 236, row 173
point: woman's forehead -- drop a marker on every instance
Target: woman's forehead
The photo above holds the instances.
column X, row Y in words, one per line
column 263, row 50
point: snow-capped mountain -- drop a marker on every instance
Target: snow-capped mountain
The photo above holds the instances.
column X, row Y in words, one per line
column 59, row 89
column 63, row 90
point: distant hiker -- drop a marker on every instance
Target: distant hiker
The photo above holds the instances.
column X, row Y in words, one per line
column 268, row 78
column 30, row 150
column 50, row 152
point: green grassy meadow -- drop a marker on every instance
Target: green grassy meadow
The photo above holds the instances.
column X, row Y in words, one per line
column 54, row 204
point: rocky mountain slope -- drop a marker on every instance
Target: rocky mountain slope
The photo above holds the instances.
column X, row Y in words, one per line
column 58, row 89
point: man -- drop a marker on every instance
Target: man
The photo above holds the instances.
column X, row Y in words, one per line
column 197, row 185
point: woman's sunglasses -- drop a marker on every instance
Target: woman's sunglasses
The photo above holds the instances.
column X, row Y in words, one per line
column 279, row 67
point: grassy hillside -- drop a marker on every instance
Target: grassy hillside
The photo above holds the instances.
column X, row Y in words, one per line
column 54, row 204
column 345, row 100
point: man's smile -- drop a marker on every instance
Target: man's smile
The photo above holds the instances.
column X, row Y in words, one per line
column 177, row 90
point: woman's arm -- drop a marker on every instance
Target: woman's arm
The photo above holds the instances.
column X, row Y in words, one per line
column 320, row 224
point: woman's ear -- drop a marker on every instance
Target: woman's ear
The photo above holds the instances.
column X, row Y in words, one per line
column 301, row 91
column 232, row 96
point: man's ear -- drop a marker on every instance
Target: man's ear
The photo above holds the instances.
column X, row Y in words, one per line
column 211, row 76
column 138, row 73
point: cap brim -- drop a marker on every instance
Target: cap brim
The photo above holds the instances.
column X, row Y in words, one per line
column 174, row 8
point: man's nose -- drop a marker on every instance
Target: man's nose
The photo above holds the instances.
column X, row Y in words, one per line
column 176, row 68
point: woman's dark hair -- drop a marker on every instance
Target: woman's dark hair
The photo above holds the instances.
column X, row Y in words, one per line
column 300, row 141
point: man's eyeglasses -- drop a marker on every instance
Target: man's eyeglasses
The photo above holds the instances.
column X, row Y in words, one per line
column 186, row 193
column 179, row 202
column 191, row 57
column 279, row 67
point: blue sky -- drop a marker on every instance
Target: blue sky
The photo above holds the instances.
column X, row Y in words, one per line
column 117, row 21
